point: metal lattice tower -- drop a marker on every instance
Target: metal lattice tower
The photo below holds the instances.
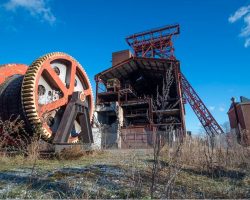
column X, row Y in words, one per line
column 157, row 43
column 207, row 120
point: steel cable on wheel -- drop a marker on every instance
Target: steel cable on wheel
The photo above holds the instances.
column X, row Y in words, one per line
column 13, row 127
column 46, row 90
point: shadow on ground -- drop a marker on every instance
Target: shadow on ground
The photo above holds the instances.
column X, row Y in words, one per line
column 67, row 182
column 216, row 172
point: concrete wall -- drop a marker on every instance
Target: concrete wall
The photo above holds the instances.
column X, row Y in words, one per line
column 107, row 125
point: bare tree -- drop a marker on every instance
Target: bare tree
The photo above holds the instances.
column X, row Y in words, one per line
column 163, row 134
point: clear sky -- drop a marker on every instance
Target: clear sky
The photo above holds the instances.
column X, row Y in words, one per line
column 212, row 47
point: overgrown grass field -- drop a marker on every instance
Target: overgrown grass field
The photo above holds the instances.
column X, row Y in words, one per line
column 190, row 173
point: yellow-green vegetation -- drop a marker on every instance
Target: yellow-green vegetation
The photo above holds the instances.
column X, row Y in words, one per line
column 20, row 161
column 122, row 174
column 209, row 187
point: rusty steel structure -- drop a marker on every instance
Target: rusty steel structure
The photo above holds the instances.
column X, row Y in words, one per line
column 207, row 120
column 132, row 85
column 155, row 43
column 159, row 43
column 52, row 96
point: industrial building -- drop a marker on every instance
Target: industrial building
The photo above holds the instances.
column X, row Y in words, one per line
column 130, row 93
column 143, row 93
column 239, row 117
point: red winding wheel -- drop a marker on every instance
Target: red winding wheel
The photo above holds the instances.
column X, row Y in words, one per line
column 47, row 88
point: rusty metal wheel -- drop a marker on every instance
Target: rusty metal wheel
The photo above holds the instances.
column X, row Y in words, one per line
column 47, row 88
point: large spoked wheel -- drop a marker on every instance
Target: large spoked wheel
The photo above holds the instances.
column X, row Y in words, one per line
column 46, row 90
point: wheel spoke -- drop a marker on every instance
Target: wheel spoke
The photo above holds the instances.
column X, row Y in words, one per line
column 54, row 78
column 53, row 105
column 72, row 77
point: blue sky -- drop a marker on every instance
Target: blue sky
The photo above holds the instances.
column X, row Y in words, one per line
column 212, row 47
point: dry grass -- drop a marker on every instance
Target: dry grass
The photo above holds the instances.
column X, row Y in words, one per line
column 10, row 132
column 197, row 153
column 76, row 152
column 191, row 169
column 192, row 181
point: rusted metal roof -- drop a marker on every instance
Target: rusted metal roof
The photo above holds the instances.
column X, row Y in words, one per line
column 125, row 68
